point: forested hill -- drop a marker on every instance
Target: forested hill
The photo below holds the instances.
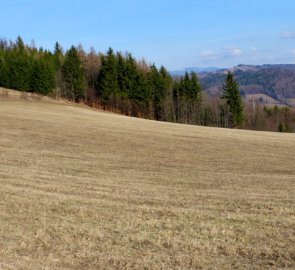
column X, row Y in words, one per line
column 117, row 82
column 113, row 81
column 277, row 81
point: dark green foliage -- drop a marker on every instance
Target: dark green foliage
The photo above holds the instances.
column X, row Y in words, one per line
column 58, row 55
column 284, row 128
column 194, row 90
column 122, row 78
column 107, row 84
column 129, row 79
column 24, row 68
column 20, row 66
column 58, row 59
column 73, row 76
column 123, row 85
column 157, row 91
column 187, row 96
column 233, row 100
column 142, row 93
column 4, row 70
column 280, row 127
column 42, row 77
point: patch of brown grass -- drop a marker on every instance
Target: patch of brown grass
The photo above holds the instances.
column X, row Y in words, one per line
column 81, row 189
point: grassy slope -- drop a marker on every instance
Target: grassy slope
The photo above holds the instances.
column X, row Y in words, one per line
column 81, row 189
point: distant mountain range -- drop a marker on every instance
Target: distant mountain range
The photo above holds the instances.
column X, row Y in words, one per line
column 274, row 81
column 181, row 72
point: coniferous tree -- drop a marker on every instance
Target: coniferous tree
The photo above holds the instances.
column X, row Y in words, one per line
column 42, row 77
column 20, row 66
column 195, row 90
column 124, row 85
column 73, row 76
column 194, row 95
column 122, row 76
column 160, row 84
column 156, row 89
column 130, row 76
column 175, row 95
column 19, row 44
column 187, row 96
column 58, row 63
column 107, row 81
column 233, row 100
column 123, row 82
column 142, row 93
column 4, row 70
column 165, row 92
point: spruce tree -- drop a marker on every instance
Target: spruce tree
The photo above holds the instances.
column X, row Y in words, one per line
column 156, row 88
column 121, row 76
column 195, row 97
column 73, row 75
column 107, row 82
column 233, row 100
column 4, row 70
column 42, row 77
column 20, row 66
column 58, row 55
column 58, row 63
column 175, row 97
column 19, row 44
column 142, row 92
column 131, row 76
column 195, row 90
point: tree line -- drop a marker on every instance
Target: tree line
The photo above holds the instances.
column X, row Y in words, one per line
column 118, row 82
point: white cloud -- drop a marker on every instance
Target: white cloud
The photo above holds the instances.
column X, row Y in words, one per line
column 236, row 52
column 287, row 34
column 293, row 51
column 223, row 53
column 231, row 51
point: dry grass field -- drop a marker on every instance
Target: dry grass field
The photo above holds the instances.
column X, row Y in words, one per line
column 83, row 189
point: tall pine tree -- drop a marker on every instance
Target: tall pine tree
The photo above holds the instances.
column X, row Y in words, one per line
column 42, row 77
column 107, row 81
column 73, row 76
column 20, row 66
column 233, row 100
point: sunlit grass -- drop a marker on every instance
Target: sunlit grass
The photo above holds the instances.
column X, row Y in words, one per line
column 83, row 189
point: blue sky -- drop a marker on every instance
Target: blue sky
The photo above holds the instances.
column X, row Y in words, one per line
column 173, row 33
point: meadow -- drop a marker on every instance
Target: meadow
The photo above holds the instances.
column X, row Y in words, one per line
column 85, row 189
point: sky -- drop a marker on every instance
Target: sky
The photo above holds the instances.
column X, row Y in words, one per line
column 173, row 33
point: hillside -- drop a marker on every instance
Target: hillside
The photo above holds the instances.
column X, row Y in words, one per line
column 117, row 82
column 83, row 189
column 181, row 72
column 276, row 81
